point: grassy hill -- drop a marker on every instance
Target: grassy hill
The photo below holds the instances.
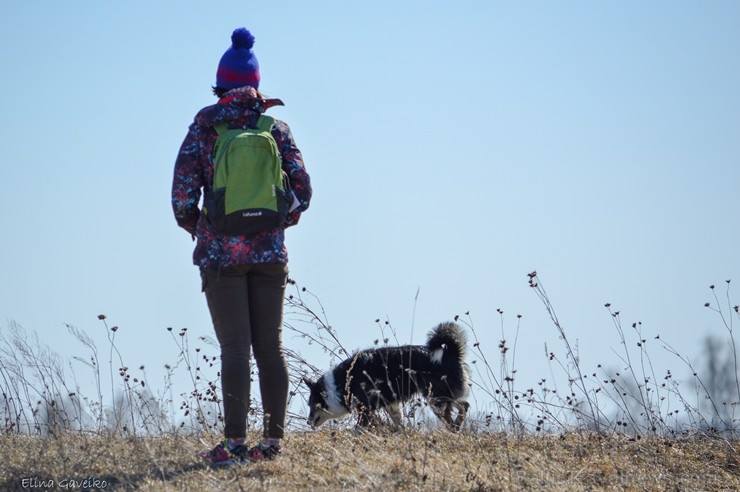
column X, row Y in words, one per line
column 600, row 429
column 409, row 460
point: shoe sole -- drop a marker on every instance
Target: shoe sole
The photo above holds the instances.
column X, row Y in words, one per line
column 220, row 464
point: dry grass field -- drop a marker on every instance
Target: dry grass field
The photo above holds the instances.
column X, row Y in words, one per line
column 346, row 460
column 630, row 430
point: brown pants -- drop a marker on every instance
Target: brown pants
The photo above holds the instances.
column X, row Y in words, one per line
column 246, row 304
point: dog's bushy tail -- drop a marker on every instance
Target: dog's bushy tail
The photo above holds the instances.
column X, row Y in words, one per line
column 447, row 342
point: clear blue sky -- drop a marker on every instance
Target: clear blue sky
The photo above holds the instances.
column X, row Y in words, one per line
column 453, row 149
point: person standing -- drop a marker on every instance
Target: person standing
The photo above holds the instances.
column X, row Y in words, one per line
column 244, row 276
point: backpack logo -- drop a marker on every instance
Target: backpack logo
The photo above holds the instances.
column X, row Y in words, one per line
column 251, row 193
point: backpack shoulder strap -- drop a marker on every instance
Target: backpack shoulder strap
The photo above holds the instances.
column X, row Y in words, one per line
column 221, row 127
column 264, row 123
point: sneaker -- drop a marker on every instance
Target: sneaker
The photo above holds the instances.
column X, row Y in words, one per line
column 224, row 455
column 261, row 452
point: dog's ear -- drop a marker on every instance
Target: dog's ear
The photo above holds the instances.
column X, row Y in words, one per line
column 309, row 383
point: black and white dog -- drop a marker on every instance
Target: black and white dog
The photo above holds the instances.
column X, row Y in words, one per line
column 386, row 377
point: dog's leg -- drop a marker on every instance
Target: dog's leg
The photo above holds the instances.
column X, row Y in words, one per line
column 441, row 409
column 394, row 412
column 448, row 413
column 462, row 411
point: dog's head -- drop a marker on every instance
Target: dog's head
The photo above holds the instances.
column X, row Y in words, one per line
column 318, row 403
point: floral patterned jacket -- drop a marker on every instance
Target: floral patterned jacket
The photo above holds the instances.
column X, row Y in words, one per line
column 193, row 176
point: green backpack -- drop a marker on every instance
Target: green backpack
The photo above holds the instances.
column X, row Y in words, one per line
column 251, row 192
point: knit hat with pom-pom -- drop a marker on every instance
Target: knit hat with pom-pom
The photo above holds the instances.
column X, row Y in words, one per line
column 238, row 67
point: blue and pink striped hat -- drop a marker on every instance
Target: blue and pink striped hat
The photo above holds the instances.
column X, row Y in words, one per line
column 238, row 66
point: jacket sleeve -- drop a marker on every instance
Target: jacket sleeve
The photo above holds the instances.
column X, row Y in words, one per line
column 294, row 167
column 188, row 181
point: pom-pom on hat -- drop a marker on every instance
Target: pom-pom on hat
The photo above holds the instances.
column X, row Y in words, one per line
column 238, row 66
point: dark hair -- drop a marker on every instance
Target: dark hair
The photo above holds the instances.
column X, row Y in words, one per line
column 220, row 92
